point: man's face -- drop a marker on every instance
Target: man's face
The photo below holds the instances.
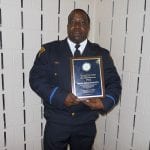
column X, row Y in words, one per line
column 78, row 27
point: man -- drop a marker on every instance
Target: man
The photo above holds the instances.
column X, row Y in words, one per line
column 68, row 120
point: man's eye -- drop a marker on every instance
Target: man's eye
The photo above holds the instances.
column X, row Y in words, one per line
column 72, row 22
column 83, row 23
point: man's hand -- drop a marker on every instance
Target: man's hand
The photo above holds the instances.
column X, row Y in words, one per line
column 71, row 100
column 94, row 103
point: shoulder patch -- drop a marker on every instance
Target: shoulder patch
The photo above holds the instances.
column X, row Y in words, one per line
column 42, row 50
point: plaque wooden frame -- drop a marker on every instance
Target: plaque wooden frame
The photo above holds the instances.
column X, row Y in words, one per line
column 87, row 84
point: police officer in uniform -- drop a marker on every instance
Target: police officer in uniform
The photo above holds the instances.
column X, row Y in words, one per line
column 68, row 120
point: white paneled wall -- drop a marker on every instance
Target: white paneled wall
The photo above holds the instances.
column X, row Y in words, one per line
column 122, row 26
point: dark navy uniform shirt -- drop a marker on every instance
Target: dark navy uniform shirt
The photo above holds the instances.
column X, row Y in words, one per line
column 50, row 78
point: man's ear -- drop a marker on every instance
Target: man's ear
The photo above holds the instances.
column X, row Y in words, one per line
column 67, row 27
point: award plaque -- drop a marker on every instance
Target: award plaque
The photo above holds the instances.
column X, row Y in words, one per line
column 87, row 77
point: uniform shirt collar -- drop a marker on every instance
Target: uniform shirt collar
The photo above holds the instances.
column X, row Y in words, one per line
column 72, row 45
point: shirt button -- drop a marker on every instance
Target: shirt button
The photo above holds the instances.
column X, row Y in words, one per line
column 72, row 114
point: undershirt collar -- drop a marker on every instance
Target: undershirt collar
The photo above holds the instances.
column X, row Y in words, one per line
column 72, row 46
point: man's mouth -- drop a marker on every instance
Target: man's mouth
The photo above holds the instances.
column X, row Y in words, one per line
column 77, row 33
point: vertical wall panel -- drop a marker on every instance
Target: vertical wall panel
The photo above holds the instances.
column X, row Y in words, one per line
column 12, row 17
column 111, row 132
column 135, row 19
column 13, row 37
column 14, row 3
column 32, row 5
column 118, row 32
column 100, row 136
column 104, row 22
column 130, row 85
column 28, row 20
column 145, row 69
column 15, row 138
column 33, row 45
column 142, row 126
column 50, row 20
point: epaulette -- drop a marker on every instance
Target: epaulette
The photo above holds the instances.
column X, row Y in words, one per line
column 42, row 50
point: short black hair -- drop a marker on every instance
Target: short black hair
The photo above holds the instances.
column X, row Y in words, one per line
column 81, row 10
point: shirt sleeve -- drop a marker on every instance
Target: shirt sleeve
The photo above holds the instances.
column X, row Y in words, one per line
column 112, row 83
column 42, row 84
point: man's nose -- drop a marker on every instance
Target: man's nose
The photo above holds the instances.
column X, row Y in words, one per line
column 77, row 25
